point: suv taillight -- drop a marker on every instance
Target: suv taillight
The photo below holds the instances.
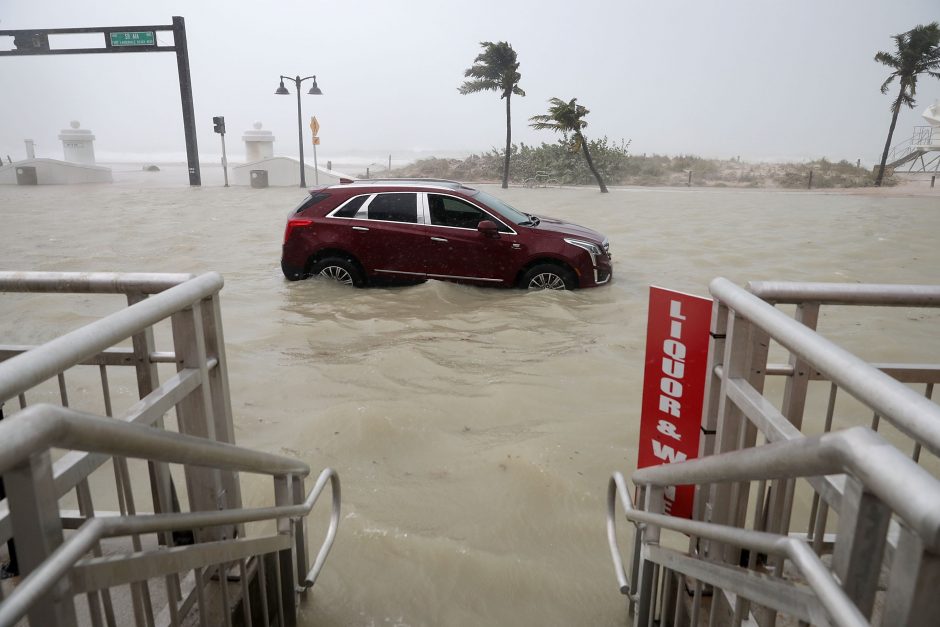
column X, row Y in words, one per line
column 294, row 223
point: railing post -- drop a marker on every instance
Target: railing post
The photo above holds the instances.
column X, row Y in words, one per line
column 220, row 398
column 283, row 497
column 302, row 559
column 912, row 599
column 195, row 413
column 745, row 358
column 863, row 527
column 147, row 381
column 655, row 503
column 34, row 514
column 701, row 508
column 780, row 502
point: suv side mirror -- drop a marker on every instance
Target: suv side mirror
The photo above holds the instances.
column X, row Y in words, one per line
column 488, row 228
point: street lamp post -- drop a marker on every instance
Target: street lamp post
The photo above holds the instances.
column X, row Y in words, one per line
column 314, row 91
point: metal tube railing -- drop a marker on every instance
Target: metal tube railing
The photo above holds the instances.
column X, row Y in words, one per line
column 908, row 489
column 20, row 373
column 40, row 581
column 40, row 427
column 908, row 411
column 873, row 294
column 91, row 282
column 841, row 609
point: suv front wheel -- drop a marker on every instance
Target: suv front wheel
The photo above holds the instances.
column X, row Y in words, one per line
column 546, row 276
column 339, row 269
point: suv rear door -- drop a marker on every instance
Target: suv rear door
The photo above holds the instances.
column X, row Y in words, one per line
column 392, row 238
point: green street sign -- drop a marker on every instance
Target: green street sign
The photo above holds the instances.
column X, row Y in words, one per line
column 133, row 38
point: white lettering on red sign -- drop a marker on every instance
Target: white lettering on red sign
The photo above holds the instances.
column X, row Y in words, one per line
column 673, row 386
column 670, row 386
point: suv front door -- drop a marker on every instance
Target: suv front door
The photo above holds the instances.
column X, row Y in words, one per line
column 458, row 251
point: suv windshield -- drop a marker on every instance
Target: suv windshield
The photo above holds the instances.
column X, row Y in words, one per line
column 513, row 215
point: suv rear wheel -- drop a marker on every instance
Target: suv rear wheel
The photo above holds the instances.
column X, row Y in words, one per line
column 547, row 276
column 339, row 269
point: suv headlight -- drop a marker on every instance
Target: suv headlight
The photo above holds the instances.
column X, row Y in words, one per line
column 593, row 249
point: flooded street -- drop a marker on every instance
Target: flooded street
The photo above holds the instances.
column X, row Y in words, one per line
column 474, row 429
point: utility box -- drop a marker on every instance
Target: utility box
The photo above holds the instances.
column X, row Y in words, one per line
column 259, row 178
column 26, row 175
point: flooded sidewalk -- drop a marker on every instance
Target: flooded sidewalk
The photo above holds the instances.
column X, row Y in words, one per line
column 474, row 429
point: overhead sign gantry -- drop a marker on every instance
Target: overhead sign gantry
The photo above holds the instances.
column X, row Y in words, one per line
column 123, row 39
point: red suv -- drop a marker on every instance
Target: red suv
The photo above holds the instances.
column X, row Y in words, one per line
column 417, row 229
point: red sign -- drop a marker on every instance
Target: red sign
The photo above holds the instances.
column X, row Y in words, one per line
column 677, row 336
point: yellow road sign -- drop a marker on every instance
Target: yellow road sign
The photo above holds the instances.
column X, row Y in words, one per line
column 314, row 125
column 316, row 140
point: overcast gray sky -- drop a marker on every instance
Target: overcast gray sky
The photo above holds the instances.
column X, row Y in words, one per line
column 765, row 80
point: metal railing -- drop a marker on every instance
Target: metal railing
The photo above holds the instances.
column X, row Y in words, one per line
column 923, row 141
column 886, row 502
column 194, row 553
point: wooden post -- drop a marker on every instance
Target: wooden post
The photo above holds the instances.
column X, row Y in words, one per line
column 810, row 185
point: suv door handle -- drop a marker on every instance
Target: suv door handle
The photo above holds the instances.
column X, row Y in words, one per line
column 359, row 228
column 438, row 239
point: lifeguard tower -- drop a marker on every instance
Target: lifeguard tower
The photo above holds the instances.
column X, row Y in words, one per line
column 920, row 153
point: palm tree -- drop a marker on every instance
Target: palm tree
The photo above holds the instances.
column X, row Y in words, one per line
column 917, row 52
column 568, row 117
column 496, row 69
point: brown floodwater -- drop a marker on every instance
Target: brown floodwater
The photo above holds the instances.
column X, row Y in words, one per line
column 474, row 429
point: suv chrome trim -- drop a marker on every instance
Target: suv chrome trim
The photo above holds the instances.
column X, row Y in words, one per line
column 466, row 278
column 401, row 272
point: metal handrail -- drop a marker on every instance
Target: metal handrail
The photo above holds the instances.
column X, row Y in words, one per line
column 913, row 414
column 91, row 282
column 908, row 489
column 40, row 427
column 840, row 608
column 42, row 362
column 36, row 584
column 881, row 295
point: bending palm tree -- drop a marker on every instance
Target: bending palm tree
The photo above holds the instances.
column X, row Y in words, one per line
column 496, row 69
column 568, row 117
column 918, row 52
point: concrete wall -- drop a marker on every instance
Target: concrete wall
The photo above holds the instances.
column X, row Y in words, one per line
column 284, row 172
column 54, row 172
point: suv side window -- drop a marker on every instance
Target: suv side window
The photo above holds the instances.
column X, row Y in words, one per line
column 351, row 207
column 395, row 207
column 450, row 211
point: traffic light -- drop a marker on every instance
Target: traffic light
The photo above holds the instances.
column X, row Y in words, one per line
column 31, row 41
column 219, row 122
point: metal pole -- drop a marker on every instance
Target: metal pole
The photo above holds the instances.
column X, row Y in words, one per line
column 933, row 179
column 316, row 168
column 186, row 94
column 300, row 135
column 224, row 161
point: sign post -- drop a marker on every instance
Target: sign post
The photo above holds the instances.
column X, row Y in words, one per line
column 315, row 128
column 219, row 127
column 674, row 377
